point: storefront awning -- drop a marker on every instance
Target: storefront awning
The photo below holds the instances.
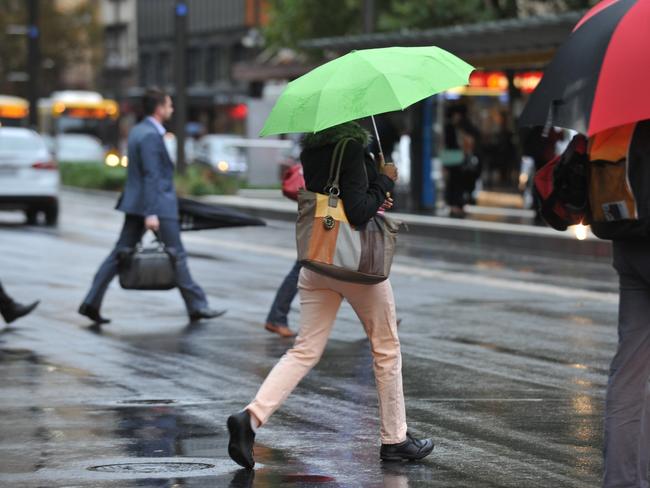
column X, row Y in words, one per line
column 505, row 44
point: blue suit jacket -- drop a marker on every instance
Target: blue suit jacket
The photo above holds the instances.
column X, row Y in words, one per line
column 149, row 188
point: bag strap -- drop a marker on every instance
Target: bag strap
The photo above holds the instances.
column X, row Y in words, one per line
column 332, row 187
column 157, row 240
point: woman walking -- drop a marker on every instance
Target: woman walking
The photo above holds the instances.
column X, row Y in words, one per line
column 364, row 190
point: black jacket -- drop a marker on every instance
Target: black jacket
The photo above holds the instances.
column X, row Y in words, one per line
column 362, row 195
column 639, row 174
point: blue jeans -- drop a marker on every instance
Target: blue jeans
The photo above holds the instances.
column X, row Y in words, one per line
column 283, row 298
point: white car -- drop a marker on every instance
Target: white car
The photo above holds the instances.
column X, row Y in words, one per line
column 29, row 176
column 223, row 153
column 171, row 145
column 78, row 148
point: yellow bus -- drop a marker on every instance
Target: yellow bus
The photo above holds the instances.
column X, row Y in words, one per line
column 14, row 111
column 80, row 112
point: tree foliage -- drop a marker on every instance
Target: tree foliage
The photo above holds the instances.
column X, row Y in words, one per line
column 294, row 20
column 69, row 37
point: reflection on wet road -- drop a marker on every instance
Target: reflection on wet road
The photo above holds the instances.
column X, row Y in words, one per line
column 505, row 364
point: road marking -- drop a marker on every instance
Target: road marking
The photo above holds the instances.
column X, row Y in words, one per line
column 448, row 276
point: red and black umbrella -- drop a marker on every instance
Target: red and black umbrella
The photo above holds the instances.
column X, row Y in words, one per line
column 600, row 77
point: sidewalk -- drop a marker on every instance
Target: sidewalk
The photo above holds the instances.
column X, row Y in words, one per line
column 485, row 226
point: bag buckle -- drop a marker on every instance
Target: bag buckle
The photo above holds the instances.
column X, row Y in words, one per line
column 329, row 222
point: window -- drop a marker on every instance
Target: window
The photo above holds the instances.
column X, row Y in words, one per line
column 146, row 65
column 164, row 69
column 212, row 71
column 193, row 61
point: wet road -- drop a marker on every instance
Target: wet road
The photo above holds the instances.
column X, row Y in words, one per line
column 505, row 365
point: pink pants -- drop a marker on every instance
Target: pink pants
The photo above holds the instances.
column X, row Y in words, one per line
column 320, row 300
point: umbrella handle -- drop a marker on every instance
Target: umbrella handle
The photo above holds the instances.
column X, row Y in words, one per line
column 381, row 151
column 382, row 161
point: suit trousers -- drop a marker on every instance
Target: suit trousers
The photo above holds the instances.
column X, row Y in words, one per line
column 320, row 300
column 132, row 231
column 627, row 404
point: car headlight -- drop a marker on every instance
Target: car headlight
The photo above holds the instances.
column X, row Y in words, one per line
column 223, row 166
column 124, row 161
column 112, row 160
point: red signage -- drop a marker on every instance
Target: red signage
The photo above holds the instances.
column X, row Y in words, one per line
column 498, row 81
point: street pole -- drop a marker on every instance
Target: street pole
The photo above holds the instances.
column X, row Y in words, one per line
column 368, row 16
column 33, row 62
column 428, row 194
column 423, row 189
column 180, row 15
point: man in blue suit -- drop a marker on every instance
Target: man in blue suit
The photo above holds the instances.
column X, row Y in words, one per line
column 149, row 203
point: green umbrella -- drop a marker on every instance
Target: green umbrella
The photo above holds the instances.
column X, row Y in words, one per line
column 364, row 83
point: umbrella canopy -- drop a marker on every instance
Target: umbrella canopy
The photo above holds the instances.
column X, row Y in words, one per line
column 363, row 83
column 199, row 216
column 598, row 78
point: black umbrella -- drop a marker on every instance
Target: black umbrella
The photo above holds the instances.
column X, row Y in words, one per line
column 199, row 216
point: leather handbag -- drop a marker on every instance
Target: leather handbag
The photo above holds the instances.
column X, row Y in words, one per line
column 147, row 267
column 328, row 244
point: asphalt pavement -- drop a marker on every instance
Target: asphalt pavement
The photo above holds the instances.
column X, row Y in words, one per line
column 505, row 359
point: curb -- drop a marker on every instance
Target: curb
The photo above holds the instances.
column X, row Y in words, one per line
column 520, row 237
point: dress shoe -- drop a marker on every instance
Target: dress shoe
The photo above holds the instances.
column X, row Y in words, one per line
column 205, row 313
column 281, row 330
column 409, row 450
column 93, row 314
column 242, row 437
column 13, row 311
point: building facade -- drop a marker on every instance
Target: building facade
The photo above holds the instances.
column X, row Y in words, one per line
column 120, row 47
column 219, row 34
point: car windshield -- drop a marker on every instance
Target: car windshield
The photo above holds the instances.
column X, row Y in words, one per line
column 85, row 144
column 20, row 142
column 220, row 148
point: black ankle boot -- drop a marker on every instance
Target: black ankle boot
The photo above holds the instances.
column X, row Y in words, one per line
column 11, row 310
column 242, row 437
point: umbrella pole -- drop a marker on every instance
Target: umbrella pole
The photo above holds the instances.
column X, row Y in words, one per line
column 381, row 151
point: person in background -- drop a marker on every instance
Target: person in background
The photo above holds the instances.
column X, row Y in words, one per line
column 149, row 202
column 11, row 310
column 461, row 161
column 277, row 321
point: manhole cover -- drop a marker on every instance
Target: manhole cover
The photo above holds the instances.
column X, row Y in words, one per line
column 147, row 402
column 151, row 467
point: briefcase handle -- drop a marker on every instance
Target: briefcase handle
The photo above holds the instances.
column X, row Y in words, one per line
column 156, row 240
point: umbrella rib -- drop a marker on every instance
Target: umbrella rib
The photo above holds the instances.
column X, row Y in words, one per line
column 383, row 75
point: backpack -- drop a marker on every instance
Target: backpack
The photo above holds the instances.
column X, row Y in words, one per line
column 561, row 186
column 619, row 179
column 591, row 184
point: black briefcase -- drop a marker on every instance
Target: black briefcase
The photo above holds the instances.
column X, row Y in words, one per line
column 147, row 267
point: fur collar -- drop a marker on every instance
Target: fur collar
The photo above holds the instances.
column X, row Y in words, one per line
column 334, row 134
